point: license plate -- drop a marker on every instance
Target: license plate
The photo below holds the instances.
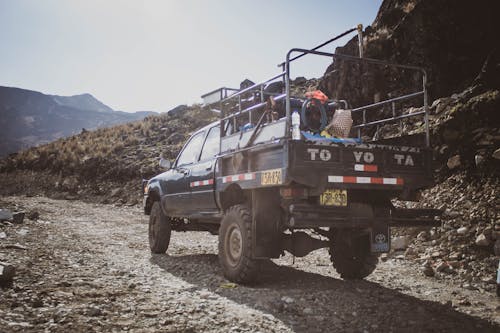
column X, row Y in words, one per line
column 271, row 177
column 333, row 198
column 381, row 237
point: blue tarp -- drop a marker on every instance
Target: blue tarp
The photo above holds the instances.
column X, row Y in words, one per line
column 316, row 137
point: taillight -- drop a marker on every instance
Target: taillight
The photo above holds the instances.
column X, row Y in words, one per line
column 293, row 192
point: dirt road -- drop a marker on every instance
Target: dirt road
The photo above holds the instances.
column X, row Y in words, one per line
column 87, row 268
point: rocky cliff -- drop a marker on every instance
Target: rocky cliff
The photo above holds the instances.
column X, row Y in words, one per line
column 454, row 41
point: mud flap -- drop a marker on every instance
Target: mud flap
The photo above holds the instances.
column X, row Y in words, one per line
column 380, row 236
column 266, row 214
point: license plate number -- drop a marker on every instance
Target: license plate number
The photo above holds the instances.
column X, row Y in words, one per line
column 271, row 177
column 333, row 198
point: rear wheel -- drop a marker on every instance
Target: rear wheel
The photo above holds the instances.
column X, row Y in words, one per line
column 235, row 245
column 350, row 254
column 159, row 229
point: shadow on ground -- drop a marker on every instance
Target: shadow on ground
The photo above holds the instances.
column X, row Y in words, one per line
column 309, row 302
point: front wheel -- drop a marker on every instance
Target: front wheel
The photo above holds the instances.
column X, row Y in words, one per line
column 235, row 245
column 159, row 229
column 350, row 254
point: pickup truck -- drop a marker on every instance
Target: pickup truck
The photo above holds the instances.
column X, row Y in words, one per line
column 264, row 190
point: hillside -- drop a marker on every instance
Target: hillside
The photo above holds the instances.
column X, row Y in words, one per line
column 29, row 118
column 106, row 164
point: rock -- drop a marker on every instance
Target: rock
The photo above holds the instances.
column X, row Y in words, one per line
column 175, row 138
column 444, row 267
column 496, row 154
column 18, row 217
column 428, row 271
column 452, row 214
column 464, row 302
column 481, row 240
column 410, row 253
column 436, row 254
column 22, row 232
column 453, row 162
column 94, row 311
column 479, row 159
column 37, row 303
column 462, row 230
column 3, row 235
column 441, row 267
column 455, row 256
column 399, row 242
column 115, row 192
column 5, row 215
column 33, row 215
column 307, row 311
column 300, row 80
column 7, row 273
column 287, row 299
column 423, row 235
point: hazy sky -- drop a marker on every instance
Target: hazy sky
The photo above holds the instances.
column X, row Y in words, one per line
column 154, row 55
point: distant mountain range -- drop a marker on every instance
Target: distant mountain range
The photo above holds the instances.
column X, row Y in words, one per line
column 29, row 118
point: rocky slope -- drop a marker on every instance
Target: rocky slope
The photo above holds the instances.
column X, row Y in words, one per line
column 106, row 164
column 29, row 118
column 451, row 40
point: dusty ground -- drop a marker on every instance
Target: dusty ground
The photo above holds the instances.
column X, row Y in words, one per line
column 87, row 268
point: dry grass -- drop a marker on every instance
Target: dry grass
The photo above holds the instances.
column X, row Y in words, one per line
column 122, row 153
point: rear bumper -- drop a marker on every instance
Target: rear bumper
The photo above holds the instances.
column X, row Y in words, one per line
column 314, row 216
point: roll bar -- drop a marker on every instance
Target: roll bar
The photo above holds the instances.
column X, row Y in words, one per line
column 285, row 76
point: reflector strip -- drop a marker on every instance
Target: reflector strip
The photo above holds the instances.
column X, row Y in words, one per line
column 365, row 180
column 202, row 183
column 235, row 178
column 366, row 167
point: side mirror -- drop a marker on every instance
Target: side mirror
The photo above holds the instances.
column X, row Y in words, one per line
column 165, row 164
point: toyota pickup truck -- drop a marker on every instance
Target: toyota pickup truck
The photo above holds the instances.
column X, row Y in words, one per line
column 265, row 188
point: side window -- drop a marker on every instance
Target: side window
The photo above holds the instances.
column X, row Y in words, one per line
column 211, row 147
column 191, row 151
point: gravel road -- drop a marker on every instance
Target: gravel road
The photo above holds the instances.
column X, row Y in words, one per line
column 87, row 268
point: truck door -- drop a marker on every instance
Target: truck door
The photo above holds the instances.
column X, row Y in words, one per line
column 177, row 199
column 201, row 179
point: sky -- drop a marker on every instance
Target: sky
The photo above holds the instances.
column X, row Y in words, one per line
column 157, row 54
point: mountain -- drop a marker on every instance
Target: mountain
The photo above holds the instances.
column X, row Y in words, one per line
column 82, row 102
column 29, row 118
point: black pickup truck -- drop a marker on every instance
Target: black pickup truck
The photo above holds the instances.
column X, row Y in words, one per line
column 264, row 190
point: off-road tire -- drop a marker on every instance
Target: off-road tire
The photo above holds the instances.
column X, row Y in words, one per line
column 350, row 254
column 235, row 245
column 159, row 229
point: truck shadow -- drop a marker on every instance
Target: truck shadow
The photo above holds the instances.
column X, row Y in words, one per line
column 310, row 302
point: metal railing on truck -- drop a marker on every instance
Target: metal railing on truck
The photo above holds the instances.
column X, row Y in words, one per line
column 233, row 101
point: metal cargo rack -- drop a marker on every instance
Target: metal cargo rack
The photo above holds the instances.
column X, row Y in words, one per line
column 229, row 102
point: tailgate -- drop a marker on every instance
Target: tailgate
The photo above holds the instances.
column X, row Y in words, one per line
column 359, row 166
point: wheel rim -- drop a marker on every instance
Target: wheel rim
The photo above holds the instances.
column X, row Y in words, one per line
column 234, row 245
